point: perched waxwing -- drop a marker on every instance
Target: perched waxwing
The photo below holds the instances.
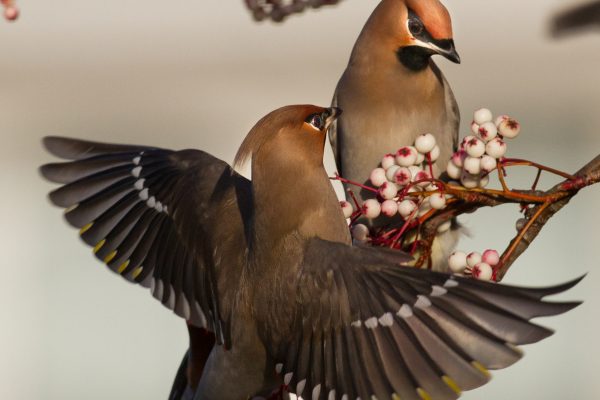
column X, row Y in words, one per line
column 392, row 91
column 578, row 18
column 268, row 266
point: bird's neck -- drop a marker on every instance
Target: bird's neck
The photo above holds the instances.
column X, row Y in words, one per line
column 293, row 198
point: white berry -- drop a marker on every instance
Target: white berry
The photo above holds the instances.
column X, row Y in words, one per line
column 488, row 131
column 371, row 208
column 472, row 165
column 389, row 208
column 496, row 148
column 491, row 257
column 488, row 163
column 435, row 153
column 457, row 262
column 423, row 177
column 391, row 172
column 473, row 259
column 378, row 177
column 500, row 119
column 466, row 139
column 425, row 143
column 475, row 147
column 388, row 161
column 437, row 201
column 445, row 227
column 475, row 128
column 347, row 209
column 453, row 171
column 484, row 181
column 403, row 176
column 509, row 128
column 458, row 158
column 406, row 156
column 469, row 181
column 482, row 271
column 424, row 208
column 420, row 158
column 482, row 116
column 360, row 232
column 406, row 208
column 388, row 190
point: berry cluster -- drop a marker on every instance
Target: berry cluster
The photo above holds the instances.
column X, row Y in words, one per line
column 404, row 185
column 479, row 153
column 477, row 265
column 11, row 12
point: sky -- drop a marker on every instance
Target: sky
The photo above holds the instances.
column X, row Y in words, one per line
column 200, row 74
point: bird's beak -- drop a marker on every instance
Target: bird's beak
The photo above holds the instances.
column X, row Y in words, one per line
column 332, row 114
column 446, row 48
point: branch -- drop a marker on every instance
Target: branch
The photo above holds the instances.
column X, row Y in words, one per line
column 278, row 10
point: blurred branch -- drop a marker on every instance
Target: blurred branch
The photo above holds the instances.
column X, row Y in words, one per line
column 575, row 19
column 278, row 10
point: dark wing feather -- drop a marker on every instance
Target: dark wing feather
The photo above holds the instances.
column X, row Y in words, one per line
column 366, row 327
column 144, row 211
column 580, row 17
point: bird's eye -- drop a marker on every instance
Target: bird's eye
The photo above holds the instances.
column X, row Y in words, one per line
column 317, row 121
column 415, row 26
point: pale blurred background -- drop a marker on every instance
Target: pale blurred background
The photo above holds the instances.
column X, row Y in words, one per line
column 200, row 74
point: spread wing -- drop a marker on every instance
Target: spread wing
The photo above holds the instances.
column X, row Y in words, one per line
column 363, row 327
column 150, row 215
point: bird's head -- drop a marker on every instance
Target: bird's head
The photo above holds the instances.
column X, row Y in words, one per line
column 289, row 134
column 414, row 29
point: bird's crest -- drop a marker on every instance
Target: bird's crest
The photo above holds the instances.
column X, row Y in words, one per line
column 435, row 17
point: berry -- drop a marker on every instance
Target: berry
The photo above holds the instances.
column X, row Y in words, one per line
column 457, row 262
column 458, row 158
column 424, row 208
column 435, row 153
column 391, row 172
column 484, row 181
column 500, row 119
column 466, row 139
column 482, row 271
column 469, row 181
column 509, row 128
column 475, row 128
column 360, row 233
column 420, row 158
column 406, row 208
column 445, row 227
column 475, row 147
column 482, row 116
column 371, row 208
column 491, row 257
column 472, row 165
column 403, row 176
column 389, row 208
column 378, row 177
column 425, row 143
column 453, row 171
column 11, row 13
column 406, row 156
column 388, row 161
column 488, row 163
column 473, row 259
column 496, row 148
column 424, row 177
column 437, row 201
column 388, row 190
column 488, row 131
column 347, row 209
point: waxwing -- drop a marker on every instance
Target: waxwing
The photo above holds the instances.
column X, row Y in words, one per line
column 268, row 266
column 392, row 91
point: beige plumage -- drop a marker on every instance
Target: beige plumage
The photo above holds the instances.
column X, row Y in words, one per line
column 391, row 92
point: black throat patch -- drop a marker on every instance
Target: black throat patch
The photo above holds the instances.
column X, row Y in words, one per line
column 415, row 58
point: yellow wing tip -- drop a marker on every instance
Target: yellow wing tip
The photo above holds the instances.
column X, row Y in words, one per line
column 85, row 228
column 123, row 267
column 99, row 245
column 481, row 369
column 451, row 384
column 110, row 257
column 423, row 394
